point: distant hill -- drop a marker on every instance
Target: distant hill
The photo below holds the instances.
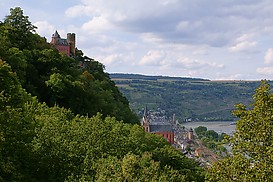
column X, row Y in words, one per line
column 187, row 98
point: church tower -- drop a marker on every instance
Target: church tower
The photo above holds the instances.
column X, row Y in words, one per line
column 145, row 120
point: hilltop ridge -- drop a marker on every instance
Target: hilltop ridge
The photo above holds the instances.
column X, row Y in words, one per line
column 187, row 98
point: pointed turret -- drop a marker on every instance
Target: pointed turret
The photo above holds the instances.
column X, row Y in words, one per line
column 55, row 38
column 145, row 118
column 56, row 35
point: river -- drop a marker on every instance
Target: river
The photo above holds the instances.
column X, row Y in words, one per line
column 218, row 126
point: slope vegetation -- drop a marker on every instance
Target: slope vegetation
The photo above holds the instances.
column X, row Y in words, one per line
column 187, row 98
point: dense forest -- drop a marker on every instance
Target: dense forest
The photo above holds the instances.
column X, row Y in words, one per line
column 61, row 121
column 188, row 98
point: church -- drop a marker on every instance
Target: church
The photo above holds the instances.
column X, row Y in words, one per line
column 163, row 128
column 65, row 46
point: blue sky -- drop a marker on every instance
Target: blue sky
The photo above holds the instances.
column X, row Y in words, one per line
column 212, row 39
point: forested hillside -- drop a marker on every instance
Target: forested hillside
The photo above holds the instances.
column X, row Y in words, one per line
column 60, row 121
column 56, row 78
column 197, row 99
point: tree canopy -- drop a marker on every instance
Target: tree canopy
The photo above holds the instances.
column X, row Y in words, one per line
column 200, row 130
column 19, row 28
column 41, row 143
column 252, row 143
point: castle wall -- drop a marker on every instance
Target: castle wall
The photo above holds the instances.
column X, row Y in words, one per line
column 63, row 49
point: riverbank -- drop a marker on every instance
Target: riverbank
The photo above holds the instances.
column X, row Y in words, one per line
column 227, row 127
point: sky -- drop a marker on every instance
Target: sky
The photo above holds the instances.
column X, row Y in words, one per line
column 211, row 39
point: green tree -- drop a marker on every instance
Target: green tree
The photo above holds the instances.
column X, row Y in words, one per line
column 223, row 136
column 252, row 143
column 16, row 128
column 212, row 134
column 17, row 60
column 200, row 130
column 4, row 41
column 19, row 29
column 11, row 92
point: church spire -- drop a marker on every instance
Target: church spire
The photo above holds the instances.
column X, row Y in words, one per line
column 145, row 120
column 145, row 114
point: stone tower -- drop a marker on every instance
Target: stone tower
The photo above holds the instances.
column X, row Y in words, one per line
column 71, row 39
column 190, row 134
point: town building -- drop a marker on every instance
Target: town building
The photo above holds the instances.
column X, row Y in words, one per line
column 200, row 152
column 163, row 128
column 66, row 46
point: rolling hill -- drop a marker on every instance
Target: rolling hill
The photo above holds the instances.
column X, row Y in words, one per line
column 187, row 98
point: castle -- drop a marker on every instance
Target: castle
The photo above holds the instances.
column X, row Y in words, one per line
column 65, row 46
column 162, row 128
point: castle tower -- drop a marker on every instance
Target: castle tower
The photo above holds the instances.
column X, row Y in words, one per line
column 55, row 38
column 71, row 39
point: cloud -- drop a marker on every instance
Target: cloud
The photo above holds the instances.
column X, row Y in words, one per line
column 221, row 76
column 150, row 38
column 243, row 46
column 170, row 60
column 188, row 26
column 114, row 58
column 153, row 57
column 182, row 26
column 197, row 64
column 214, row 23
column 45, row 28
column 80, row 10
column 243, row 43
column 268, row 58
column 188, row 67
column 265, row 70
column 97, row 24
column 200, row 51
